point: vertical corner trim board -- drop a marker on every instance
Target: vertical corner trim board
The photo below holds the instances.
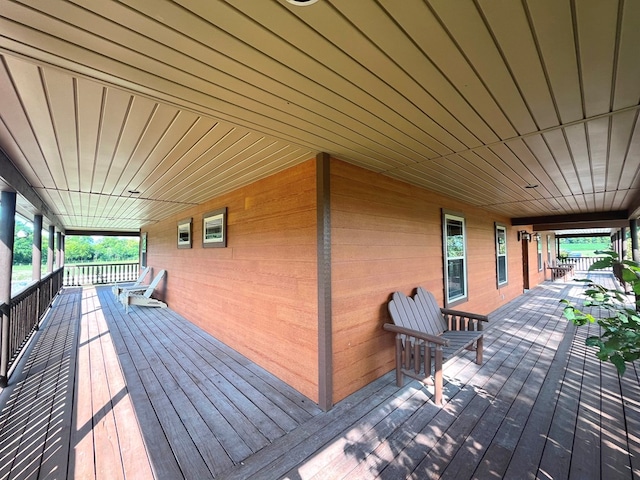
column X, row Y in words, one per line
column 325, row 358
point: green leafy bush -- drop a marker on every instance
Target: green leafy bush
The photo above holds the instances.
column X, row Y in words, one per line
column 619, row 342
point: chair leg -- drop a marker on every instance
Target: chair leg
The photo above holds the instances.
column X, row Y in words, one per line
column 399, row 377
column 437, row 377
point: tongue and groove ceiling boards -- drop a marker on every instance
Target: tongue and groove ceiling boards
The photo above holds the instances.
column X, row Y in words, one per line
column 121, row 113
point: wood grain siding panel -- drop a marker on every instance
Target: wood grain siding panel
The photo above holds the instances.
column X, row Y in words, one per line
column 258, row 295
column 387, row 236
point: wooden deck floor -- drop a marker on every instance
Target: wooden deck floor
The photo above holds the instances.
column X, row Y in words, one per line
column 148, row 395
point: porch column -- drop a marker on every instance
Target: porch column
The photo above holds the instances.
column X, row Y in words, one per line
column 58, row 249
column 623, row 243
column 633, row 227
column 36, row 250
column 63, row 238
column 7, row 230
column 51, row 251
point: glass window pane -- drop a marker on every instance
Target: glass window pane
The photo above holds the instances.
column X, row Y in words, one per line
column 455, row 278
column 455, row 239
column 501, row 254
column 502, row 242
column 502, row 269
column 455, row 261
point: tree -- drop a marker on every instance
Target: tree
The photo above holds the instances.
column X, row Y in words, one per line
column 22, row 243
column 78, row 249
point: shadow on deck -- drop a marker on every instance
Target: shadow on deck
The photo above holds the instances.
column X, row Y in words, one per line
column 103, row 394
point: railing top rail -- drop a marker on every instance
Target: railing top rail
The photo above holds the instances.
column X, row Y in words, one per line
column 29, row 288
column 99, row 264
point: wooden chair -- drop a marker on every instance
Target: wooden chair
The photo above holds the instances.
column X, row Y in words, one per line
column 559, row 270
column 118, row 287
column 141, row 296
column 427, row 335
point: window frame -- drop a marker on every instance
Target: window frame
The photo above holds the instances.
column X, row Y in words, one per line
column 448, row 217
column 539, row 253
column 501, row 228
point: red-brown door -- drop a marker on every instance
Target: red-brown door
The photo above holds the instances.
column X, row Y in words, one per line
column 525, row 264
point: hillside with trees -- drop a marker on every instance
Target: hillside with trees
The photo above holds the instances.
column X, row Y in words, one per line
column 78, row 249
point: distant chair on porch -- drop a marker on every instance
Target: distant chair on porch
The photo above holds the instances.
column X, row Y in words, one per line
column 119, row 287
column 141, row 296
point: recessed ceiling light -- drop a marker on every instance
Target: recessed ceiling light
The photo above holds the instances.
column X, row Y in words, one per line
column 302, row 3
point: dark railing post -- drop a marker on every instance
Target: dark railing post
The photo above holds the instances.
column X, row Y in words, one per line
column 4, row 348
column 7, row 228
column 633, row 229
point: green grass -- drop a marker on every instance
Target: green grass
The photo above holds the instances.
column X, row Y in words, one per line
column 585, row 249
column 21, row 273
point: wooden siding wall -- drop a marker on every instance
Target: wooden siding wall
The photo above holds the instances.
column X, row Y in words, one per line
column 387, row 236
column 258, row 295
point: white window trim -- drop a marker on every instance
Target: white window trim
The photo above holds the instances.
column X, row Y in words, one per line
column 498, row 255
column 446, row 218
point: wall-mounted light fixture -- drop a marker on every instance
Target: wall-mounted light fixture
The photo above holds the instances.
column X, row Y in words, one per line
column 537, row 237
column 302, row 3
column 524, row 235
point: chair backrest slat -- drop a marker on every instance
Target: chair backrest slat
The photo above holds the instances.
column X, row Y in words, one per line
column 416, row 314
column 430, row 310
column 152, row 286
column 142, row 276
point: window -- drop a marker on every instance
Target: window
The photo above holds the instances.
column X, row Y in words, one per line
column 539, row 243
column 143, row 249
column 455, row 256
column 501, row 253
column 549, row 250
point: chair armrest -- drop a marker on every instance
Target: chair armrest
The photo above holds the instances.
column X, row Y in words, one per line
column 128, row 290
column 416, row 334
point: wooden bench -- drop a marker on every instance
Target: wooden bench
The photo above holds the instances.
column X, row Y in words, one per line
column 427, row 335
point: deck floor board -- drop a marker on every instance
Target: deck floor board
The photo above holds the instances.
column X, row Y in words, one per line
column 104, row 394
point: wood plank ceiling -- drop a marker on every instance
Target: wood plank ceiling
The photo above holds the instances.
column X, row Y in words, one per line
column 121, row 113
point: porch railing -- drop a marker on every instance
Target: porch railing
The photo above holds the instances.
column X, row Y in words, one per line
column 100, row 273
column 21, row 318
column 581, row 264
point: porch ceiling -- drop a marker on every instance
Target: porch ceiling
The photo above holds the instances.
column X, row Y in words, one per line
column 185, row 100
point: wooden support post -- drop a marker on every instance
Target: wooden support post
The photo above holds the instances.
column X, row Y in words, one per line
column 51, row 251
column 58, row 262
column 635, row 252
column 7, row 228
column 36, row 249
column 63, row 238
